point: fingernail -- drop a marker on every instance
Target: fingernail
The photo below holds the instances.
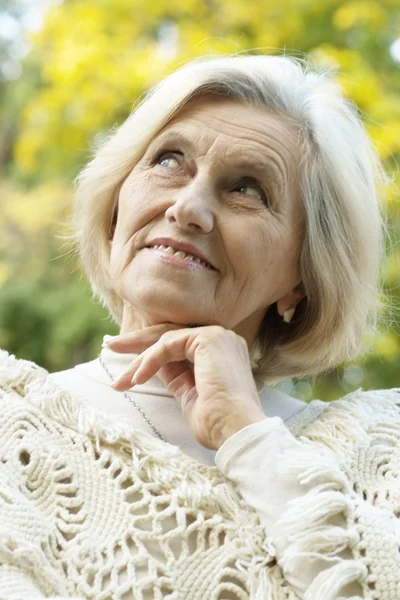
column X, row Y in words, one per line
column 107, row 342
column 123, row 379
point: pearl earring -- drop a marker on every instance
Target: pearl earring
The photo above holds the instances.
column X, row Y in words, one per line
column 288, row 315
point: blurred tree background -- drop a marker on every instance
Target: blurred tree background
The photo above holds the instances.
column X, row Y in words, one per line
column 70, row 71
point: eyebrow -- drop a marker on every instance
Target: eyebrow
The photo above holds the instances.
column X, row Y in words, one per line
column 172, row 137
column 262, row 168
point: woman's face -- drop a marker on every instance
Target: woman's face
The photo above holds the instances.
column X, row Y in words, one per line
column 223, row 177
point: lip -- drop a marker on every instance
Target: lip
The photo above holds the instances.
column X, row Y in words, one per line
column 180, row 263
column 184, row 246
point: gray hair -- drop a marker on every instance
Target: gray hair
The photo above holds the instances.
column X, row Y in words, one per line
column 340, row 181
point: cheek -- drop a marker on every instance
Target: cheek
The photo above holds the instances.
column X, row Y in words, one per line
column 139, row 202
column 116, row 260
column 271, row 257
column 137, row 206
column 246, row 246
column 131, row 200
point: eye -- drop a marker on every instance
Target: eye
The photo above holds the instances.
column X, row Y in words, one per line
column 252, row 190
column 168, row 160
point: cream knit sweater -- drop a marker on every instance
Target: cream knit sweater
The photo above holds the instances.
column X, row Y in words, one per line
column 91, row 507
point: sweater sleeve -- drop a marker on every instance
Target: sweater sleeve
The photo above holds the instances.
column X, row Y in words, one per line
column 301, row 496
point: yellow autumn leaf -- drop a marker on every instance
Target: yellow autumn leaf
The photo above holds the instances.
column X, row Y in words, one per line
column 360, row 12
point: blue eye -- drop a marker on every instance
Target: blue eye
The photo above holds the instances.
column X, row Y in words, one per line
column 168, row 160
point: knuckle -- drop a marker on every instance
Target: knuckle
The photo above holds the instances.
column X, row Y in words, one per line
column 233, row 337
column 242, row 341
column 166, row 336
column 217, row 330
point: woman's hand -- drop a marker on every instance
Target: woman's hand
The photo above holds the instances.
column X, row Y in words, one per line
column 218, row 398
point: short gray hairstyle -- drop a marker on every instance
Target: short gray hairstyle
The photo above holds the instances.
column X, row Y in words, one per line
column 340, row 182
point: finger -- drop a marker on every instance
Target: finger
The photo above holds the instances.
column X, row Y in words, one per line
column 137, row 341
column 166, row 350
column 124, row 381
column 145, row 366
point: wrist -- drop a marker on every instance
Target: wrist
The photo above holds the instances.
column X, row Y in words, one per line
column 230, row 428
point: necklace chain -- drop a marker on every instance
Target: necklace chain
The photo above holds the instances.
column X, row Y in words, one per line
column 131, row 400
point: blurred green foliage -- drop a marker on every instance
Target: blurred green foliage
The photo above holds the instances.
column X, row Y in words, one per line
column 86, row 66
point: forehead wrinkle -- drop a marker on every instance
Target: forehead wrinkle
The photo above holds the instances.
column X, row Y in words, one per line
column 198, row 111
column 239, row 132
column 199, row 114
column 274, row 123
column 171, row 136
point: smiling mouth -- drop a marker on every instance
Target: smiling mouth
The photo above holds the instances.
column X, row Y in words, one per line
column 181, row 254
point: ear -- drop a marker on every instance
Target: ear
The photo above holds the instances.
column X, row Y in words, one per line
column 291, row 299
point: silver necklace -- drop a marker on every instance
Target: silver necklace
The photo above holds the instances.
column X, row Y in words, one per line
column 131, row 400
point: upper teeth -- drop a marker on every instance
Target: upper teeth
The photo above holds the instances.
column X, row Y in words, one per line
column 181, row 254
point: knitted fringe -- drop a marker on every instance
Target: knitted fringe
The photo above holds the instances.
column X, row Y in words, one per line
column 262, row 584
column 328, row 584
column 307, row 529
column 263, row 590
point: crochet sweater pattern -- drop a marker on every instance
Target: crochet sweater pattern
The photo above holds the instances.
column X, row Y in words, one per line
column 86, row 505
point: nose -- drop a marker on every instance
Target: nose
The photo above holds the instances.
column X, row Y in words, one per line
column 194, row 206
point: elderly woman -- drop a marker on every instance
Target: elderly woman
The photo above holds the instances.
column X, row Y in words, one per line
column 231, row 226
